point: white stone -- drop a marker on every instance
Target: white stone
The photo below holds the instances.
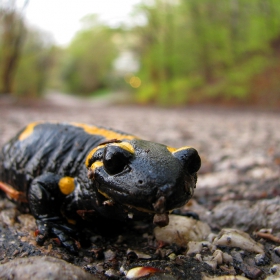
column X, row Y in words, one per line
column 275, row 271
column 237, row 238
column 181, row 230
column 194, row 247
column 227, row 258
column 218, row 257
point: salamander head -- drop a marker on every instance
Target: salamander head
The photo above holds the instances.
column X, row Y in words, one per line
column 145, row 176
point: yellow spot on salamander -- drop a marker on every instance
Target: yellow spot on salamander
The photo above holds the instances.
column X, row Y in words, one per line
column 91, row 153
column 96, row 164
column 125, row 146
column 104, row 194
column 181, row 149
column 27, row 131
column 140, row 209
column 71, row 221
column 171, row 149
column 108, row 134
column 174, row 150
column 66, row 185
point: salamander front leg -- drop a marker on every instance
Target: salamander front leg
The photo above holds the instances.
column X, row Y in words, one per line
column 45, row 197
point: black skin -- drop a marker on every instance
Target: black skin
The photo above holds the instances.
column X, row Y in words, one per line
column 142, row 181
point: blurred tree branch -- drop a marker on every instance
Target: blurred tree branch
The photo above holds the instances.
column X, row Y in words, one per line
column 12, row 34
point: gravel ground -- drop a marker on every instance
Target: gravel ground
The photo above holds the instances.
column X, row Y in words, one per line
column 238, row 187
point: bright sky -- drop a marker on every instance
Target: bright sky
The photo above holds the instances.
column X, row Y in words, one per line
column 61, row 18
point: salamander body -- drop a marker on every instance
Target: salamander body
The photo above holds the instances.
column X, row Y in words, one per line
column 66, row 172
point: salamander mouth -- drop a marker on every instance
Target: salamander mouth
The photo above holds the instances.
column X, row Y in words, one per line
column 161, row 217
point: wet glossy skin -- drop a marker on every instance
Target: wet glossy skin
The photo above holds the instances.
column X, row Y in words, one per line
column 84, row 172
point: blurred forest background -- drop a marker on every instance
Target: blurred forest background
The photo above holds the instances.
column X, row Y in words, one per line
column 179, row 52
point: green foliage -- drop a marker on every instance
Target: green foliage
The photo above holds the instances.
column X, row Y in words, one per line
column 211, row 48
column 89, row 58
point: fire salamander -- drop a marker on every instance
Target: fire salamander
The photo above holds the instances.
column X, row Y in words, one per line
column 67, row 172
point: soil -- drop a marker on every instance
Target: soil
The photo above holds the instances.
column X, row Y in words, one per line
column 240, row 151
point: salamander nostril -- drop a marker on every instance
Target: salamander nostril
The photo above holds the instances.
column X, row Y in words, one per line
column 140, row 182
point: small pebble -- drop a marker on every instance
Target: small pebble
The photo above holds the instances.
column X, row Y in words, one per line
column 212, row 248
column 261, row 259
column 198, row 257
column 194, row 248
column 266, row 230
column 218, row 257
column 139, row 255
column 140, row 271
column 172, row 256
column 181, row 230
column 99, row 267
column 275, row 269
column 112, row 273
column 24, row 239
column 109, row 255
column 212, row 264
column 227, row 258
column 211, row 237
column 143, row 256
column 237, row 256
column 237, row 238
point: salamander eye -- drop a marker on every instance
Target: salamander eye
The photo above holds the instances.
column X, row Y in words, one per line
column 115, row 159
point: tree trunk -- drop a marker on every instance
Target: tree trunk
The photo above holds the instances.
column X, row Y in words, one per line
column 12, row 43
